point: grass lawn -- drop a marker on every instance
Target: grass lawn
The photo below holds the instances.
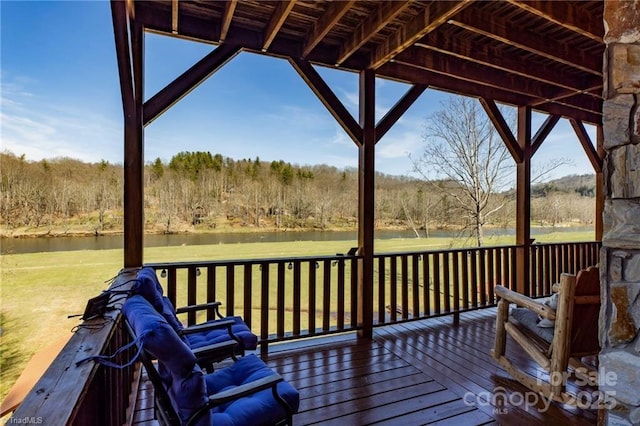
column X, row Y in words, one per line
column 39, row 291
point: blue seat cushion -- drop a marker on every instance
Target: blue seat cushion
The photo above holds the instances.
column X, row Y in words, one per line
column 260, row 408
column 529, row 320
column 208, row 337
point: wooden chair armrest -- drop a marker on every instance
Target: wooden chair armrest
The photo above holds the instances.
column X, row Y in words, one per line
column 225, row 323
column 206, row 355
column 201, row 307
column 525, row 302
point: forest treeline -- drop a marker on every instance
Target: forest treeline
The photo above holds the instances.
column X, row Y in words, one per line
column 198, row 191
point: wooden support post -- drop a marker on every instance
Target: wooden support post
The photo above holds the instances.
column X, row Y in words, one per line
column 133, row 137
column 523, row 201
column 366, row 202
column 599, row 227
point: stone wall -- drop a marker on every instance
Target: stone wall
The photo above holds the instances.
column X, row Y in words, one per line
column 620, row 255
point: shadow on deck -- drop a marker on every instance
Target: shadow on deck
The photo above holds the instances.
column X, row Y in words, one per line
column 414, row 373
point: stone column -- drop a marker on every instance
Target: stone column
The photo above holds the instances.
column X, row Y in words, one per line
column 620, row 255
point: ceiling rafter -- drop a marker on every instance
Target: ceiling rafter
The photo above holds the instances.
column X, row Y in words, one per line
column 564, row 14
column 479, row 22
column 227, row 17
column 485, row 55
column 380, row 18
column 174, row 16
column 430, row 18
column 329, row 18
column 282, row 10
column 478, row 74
column 401, row 72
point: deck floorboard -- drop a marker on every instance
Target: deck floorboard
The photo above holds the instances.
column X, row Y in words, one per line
column 412, row 373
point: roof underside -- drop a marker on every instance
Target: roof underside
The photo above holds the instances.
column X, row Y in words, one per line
column 543, row 54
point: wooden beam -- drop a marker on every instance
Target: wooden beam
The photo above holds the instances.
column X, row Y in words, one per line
column 227, row 17
column 466, row 49
column 587, row 145
column 593, row 91
column 407, row 73
column 174, row 16
column 478, row 74
column 376, row 21
column 480, row 22
column 329, row 18
column 328, row 98
column 523, row 203
column 394, row 114
column 543, row 132
column 188, row 81
column 366, row 202
column 123, row 56
column 130, row 53
column 565, row 14
column 431, row 17
column 599, row 224
column 502, row 128
column 282, row 10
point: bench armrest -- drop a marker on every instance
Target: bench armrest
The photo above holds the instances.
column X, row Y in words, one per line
column 526, row 302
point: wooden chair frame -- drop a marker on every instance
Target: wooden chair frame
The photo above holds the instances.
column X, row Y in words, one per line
column 575, row 334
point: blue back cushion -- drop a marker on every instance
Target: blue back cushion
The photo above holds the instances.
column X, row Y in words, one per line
column 183, row 379
column 149, row 287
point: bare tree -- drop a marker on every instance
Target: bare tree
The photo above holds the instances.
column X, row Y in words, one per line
column 463, row 148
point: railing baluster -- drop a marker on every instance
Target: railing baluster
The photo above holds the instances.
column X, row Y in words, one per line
column 426, row 283
column 191, row 293
column 281, row 300
column 482, row 277
column 415, row 278
column 264, row 312
column 231, row 290
column 404, row 280
column 465, row 279
column 446, row 283
column 312, row 298
column 393, row 299
column 381, row 290
column 296, row 298
column 355, row 265
column 211, row 291
column 490, row 276
column 326, row 296
column 474, row 278
column 456, row 281
column 171, row 285
column 341, row 301
column 248, row 293
column 436, row 282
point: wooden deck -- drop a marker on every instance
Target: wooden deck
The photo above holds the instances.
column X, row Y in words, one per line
column 414, row 373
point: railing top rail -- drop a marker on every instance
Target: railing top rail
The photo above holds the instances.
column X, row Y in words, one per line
column 205, row 263
column 240, row 262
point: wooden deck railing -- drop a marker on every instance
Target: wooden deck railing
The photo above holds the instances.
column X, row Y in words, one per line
column 87, row 393
column 293, row 298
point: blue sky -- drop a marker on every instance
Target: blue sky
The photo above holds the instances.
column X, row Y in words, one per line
column 60, row 98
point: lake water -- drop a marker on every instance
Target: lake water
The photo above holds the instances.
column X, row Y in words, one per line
column 47, row 244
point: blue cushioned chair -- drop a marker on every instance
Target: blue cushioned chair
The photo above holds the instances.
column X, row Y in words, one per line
column 244, row 393
column 201, row 335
